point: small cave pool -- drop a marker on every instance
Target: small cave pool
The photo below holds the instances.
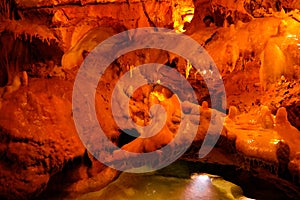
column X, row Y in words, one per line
column 184, row 180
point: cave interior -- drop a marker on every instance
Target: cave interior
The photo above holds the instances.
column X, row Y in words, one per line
column 245, row 101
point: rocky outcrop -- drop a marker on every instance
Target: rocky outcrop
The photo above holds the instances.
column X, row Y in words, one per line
column 39, row 143
column 223, row 12
column 269, row 153
column 37, row 138
column 250, row 62
column 44, row 30
column 70, row 20
column 285, row 94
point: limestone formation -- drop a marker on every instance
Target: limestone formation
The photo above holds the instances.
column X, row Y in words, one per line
column 273, row 62
column 266, row 119
column 12, row 87
column 273, row 59
column 231, row 56
column 24, row 78
column 204, row 105
column 233, row 112
column 281, row 116
column 47, row 41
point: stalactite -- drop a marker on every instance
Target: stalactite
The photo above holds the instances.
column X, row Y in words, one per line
column 8, row 10
column 4, row 9
column 250, row 163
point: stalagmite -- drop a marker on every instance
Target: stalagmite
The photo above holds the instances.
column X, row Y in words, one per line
column 281, row 116
column 266, row 118
column 233, row 111
column 204, row 105
column 13, row 87
column 231, row 56
column 273, row 60
column 24, row 78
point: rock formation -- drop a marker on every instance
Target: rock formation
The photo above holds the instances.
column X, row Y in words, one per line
column 43, row 43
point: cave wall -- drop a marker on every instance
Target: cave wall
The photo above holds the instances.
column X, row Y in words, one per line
column 69, row 20
column 231, row 11
column 247, row 44
column 45, row 141
column 47, row 29
column 38, row 137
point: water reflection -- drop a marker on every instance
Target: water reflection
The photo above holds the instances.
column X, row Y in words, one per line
column 156, row 187
column 200, row 187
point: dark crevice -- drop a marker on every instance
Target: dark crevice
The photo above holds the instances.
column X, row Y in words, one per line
column 213, row 37
column 9, row 10
column 148, row 17
column 19, row 53
column 3, row 72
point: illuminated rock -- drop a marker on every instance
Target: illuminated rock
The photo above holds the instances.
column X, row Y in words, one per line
column 37, row 130
column 12, row 87
column 24, row 78
column 59, row 18
column 231, row 56
column 266, row 119
column 204, row 105
column 40, row 140
column 233, row 112
column 73, row 57
column 273, row 64
column 281, row 117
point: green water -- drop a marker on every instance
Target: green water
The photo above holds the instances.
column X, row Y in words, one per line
column 172, row 183
column 155, row 187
